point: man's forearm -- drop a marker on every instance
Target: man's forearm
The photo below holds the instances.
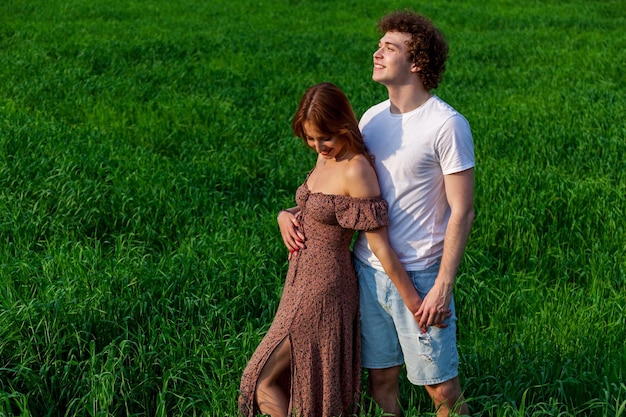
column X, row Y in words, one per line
column 457, row 234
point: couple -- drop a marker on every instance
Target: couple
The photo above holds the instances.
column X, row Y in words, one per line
column 420, row 151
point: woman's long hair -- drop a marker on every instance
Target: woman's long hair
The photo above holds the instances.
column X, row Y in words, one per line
column 328, row 108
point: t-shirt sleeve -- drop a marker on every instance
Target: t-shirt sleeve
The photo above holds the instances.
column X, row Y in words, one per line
column 455, row 145
column 361, row 213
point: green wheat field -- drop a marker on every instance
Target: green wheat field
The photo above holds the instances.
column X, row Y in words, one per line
column 145, row 149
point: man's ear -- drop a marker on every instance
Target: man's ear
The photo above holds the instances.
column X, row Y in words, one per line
column 415, row 68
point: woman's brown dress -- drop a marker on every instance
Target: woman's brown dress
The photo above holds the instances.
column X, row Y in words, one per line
column 319, row 310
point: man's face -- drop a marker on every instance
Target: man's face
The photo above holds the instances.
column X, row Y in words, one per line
column 391, row 65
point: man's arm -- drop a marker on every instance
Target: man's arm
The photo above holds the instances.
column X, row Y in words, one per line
column 460, row 194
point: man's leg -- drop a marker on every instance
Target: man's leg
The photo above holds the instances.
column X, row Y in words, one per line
column 385, row 390
column 380, row 347
column 448, row 398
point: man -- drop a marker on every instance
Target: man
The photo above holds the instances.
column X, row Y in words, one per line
column 424, row 158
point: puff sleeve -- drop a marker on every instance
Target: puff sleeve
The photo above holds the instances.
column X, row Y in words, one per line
column 361, row 213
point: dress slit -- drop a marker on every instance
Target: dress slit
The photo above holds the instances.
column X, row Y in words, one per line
column 284, row 379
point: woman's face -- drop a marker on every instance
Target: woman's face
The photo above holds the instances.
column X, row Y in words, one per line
column 328, row 147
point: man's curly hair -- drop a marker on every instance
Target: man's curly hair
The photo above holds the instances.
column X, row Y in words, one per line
column 428, row 49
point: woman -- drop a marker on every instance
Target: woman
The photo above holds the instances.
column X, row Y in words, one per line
column 308, row 364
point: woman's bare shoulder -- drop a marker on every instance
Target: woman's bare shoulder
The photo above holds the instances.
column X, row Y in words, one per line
column 360, row 178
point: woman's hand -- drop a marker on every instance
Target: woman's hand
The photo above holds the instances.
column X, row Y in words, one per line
column 289, row 224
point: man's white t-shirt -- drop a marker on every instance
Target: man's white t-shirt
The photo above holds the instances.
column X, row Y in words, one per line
column 413, row 151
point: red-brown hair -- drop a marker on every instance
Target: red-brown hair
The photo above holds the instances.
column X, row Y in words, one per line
column 328, row 108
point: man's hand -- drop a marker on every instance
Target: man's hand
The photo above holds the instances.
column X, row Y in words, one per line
column 435, row 308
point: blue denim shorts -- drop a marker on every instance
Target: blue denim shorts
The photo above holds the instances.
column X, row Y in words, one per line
column 390, row 336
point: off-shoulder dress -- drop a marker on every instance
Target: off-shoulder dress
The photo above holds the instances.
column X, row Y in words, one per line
column 319, row 310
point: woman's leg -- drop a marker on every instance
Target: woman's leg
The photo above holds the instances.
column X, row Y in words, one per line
column 270, row 397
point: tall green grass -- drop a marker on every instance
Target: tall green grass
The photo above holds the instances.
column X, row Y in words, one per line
column 145, row 148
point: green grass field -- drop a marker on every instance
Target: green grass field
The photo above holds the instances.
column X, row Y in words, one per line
column 145, row 148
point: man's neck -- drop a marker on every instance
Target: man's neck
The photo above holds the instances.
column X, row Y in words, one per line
column 407, row 98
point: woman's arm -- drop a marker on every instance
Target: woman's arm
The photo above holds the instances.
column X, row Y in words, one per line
column 362, row 182
column 288, row 223
column 379, row 243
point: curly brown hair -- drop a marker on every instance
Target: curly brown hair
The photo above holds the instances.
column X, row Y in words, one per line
column 428, row 49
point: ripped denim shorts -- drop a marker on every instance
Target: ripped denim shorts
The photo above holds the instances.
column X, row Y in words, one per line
column 390, row 336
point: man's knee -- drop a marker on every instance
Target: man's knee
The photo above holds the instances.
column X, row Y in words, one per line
column 447, row 394
column 449, row 390
column 384, row 389
column 384, row 379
